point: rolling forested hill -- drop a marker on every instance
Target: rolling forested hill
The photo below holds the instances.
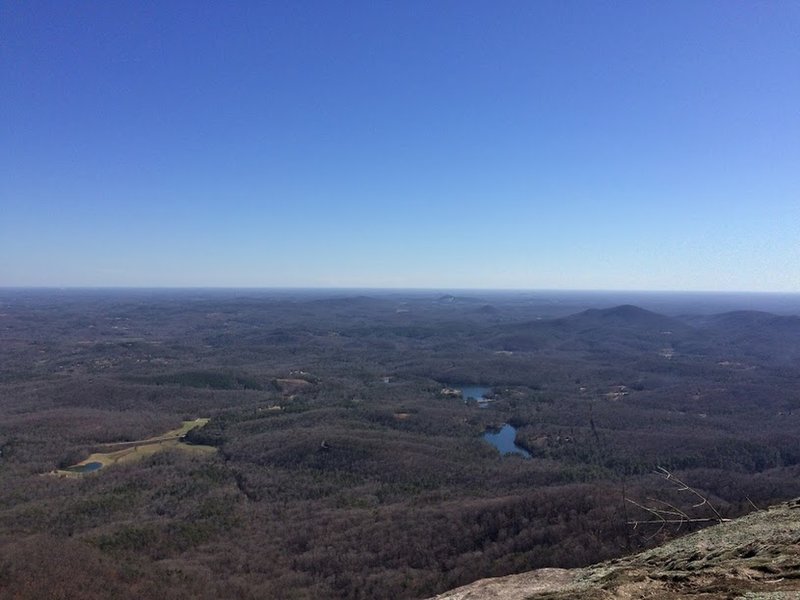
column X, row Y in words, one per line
column 340, row 459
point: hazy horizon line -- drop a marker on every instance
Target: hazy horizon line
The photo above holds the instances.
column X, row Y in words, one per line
column 392, row 289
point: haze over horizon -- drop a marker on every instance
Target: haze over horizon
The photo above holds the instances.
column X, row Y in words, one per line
column 547, row 145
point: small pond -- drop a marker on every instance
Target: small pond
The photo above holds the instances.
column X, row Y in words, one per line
column 477, row 393
column 503, row 440
column 87, row 468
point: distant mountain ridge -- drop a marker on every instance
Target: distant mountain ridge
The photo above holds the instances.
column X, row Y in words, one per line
column 617, row 329
column 624, row 316
column 631, row 330
column 741, row 320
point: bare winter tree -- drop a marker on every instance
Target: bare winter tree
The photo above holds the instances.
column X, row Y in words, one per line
column 664, row 513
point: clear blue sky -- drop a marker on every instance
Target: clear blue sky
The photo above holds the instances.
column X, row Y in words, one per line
column 572, row 145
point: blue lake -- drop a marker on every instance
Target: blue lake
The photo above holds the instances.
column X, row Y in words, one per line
column 474, row 392
column 87, row 468
column 503, row 440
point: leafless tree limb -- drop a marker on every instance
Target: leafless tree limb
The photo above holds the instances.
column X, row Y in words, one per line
column 751, row 503
column 669, row 514
column 683, row 487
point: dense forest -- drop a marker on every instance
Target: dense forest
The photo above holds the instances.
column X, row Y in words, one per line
column 346, row 463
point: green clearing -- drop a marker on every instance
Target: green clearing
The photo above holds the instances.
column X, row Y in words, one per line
column 137, row 450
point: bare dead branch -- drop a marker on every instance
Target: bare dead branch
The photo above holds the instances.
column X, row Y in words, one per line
column 661, row 519
column 684, row 487
column 665, row 513
column 751, row 503
column 674, row 521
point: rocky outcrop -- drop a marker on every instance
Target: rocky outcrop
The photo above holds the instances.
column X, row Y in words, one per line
column 756, row 557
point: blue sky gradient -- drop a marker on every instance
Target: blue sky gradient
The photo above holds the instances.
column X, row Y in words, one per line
column 560, row 145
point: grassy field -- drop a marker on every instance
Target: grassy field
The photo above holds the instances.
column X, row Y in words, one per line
column 137, row 450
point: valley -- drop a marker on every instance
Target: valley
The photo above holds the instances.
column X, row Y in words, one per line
column 342, row 452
